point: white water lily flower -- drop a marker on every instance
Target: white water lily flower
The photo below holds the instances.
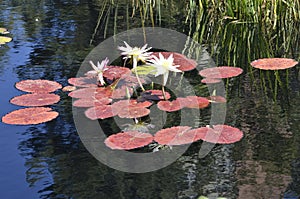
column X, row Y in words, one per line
column 163, row 66
column 135, row 53
column 98, row 70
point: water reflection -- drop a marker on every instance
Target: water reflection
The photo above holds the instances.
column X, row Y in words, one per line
column 57, row 36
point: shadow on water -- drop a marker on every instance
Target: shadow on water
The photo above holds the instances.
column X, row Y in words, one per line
column 54, row 41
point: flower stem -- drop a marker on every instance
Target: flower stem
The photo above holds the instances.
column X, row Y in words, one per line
column 136, row 74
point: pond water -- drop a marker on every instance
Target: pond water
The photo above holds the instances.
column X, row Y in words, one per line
column 50, row 41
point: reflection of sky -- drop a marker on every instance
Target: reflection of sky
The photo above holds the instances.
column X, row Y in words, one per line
column 12, row 169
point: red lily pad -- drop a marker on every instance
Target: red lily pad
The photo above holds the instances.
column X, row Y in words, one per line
column 169, row 106
column 100, row 112
column 91, row 92
column 119, row 93
column 221, row 72
column 131, row 103
column 35, row 99
column 216, row 99
column 128, row 140
column 274, row 63
column 133, row 112
column 221, row 134
column 185, row 64
column 69, row 88
column 90, row 102
column 210, row 80
column 115, row 72
column 155, row 95
column 26, row 116
column 38, row 86
column 176, row 135
column 83, row 81
column 193, row 102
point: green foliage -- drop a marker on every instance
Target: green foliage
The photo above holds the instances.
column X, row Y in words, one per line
column 144, row 70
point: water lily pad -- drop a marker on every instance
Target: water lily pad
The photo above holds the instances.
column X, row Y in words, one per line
column 221, row 72
column 133, row 112
column 216, row 99
column 128, row 140
column 210, row 80
column 38, row 86
column 100, row 112
column 116, row 72
column 155, row 95
column 176, row 135
column 69, row 88
column 193, row 102
column 83, row 81
column 274, row 63
column 90, row 102
column 221, row 134
column 28, row 116
column 185, row 64
column 94, row 92
column 169, row 106
column 35, row 99
column 4, row 39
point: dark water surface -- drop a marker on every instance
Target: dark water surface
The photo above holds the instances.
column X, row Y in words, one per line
column 52, row 38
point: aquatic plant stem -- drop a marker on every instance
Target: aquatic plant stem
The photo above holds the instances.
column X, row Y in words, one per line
column 136, row 73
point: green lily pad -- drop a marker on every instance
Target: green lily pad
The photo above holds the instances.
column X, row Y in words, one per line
column 144, row 70
column 4, row 39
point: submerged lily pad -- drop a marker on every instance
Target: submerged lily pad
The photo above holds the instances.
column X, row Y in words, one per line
column 38, row 86
column 128, row 140
column 35, row 99
column 28, row 116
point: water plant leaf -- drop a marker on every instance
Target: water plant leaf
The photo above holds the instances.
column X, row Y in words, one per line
column 133, row 112
column 4, row 39
column 121, row 92
column 100, row 112
column 216, row 99
column 130, row 103
column 144, row 70
column 68, row 88
column 115, row 72
column 38, row 86
column 185, row 64
column 83, row 81
column 176, row 135
column 210, row 80
column 128, row 140
column 155, row 95
column 90, row 102
column 26, row 116
column 35, row 99
column 93, row 92
column 169, row 106
column 193, row 102
column 221, row 134
column 273, row 63
column 221, row 72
